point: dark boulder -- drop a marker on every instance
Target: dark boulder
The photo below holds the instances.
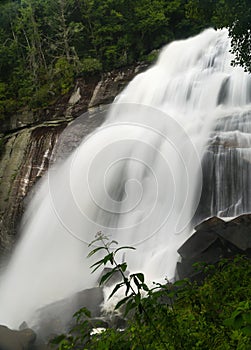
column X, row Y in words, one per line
column 211, row 255
column 57, row 317
column 210, row 224
column 237, row 232
column 16, row 340
column 213, row 240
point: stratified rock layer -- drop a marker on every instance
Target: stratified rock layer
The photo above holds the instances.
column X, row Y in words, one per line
column 30, row 142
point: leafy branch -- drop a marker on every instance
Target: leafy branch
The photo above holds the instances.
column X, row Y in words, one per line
column 134, row 283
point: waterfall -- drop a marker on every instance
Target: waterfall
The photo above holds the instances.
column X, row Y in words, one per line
column 138, row 177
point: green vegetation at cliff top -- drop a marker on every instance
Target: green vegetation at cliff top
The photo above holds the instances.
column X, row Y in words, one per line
column 46, row 44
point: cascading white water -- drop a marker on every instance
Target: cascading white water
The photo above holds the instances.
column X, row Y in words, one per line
column 136, row 178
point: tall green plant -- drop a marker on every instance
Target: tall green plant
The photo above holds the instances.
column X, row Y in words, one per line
column 133, row 283
column 215, row 314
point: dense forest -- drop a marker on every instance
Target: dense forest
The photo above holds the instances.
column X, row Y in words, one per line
column 45, row 44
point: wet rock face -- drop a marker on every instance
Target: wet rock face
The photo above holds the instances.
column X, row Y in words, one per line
column 30, row 139
column 213, row 240
column 24, row 161
column 66, row 108
column 88, row 92
column 112, row 83
column 226, row 167
column 77, row 130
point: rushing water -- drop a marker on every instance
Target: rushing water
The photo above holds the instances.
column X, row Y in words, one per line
column 138, row 177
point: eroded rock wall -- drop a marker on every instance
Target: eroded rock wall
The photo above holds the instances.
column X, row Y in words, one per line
column 24, row 161
column 30, row 137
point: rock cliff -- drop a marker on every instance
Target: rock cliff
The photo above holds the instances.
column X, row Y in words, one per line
column 29, row 138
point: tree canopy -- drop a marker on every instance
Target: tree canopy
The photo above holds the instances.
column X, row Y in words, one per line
column 232, row 14
column 45, row 44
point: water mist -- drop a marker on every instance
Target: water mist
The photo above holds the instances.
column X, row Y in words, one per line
column 136, row 178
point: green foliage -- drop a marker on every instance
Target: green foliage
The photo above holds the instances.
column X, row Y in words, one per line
column 236, row 16
column 151, row 57
column 42, row 96
column 233, row 14
column 7, row 104
column 134, row 283
column 2, row 99
column 241, row 318
column 215, row 314
column 201, row 11
column 45, row 44
column 90, row 66
column 79, row 334
column 64, row 75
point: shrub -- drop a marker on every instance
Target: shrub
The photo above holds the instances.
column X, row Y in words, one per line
column 41, row 97
column 151, row 57
column 181, row 316
column 90, row 66
column 63, row 75
column 7, row 104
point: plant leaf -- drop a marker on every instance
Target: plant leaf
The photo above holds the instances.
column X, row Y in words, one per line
column 247, row 330
column 145, row 287
column 108, row 257
column 127, row 286
column 137, row 298
column 136, row 281
column 100, row 262
column 122, row 301
column 116, row 288
column 180, row 283
column 123, row 266
column 107, row 276
column 140, row 276
column 129, row 306
column 82, row 311
column 238, row 322
column 125, row 247
column 94, row 251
